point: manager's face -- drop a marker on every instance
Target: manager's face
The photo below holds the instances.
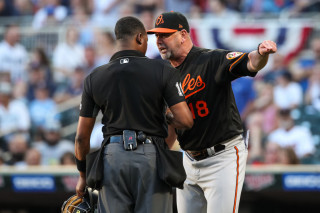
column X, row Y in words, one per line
column 169, row 44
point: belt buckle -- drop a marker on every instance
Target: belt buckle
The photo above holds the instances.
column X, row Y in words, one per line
column 198, row 155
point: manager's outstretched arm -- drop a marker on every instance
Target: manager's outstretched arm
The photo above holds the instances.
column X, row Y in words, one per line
column 259, row 58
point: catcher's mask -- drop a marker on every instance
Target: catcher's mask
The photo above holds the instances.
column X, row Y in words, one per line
column 86, row 204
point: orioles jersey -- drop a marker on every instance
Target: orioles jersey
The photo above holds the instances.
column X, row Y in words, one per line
column 206, row 77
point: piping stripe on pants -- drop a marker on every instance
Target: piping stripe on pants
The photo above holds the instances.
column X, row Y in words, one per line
column 235, row 196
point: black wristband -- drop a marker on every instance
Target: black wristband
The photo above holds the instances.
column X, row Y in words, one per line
column 81, row 165
column 258, row 49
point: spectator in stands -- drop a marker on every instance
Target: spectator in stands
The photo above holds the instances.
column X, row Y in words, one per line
column 80, row 18
column 244, row 94
column 313, row 91
column 182, row 6
column 106, row 12
column 68, row 158
column 40, row 73
column 195, row 12
column 18, row 146
column 74, row 89
column 277, row 66
column 53, row 147
column 50, row 14
column 126, row 10
column 303, row 67
column 148, row 5
column 301, row 8
column 218, row 11
column 13, row 56
column 202, row 4
column 66, row 57
column 23, row 7
column 32, row 157
column 272, row 153
column 38, row 78
column 265, row 106
column 234, row 4
column 288, row 156
column 19, row 92
column 105, row 47
column 90, row 56
column 147, row 18
column 86, row 5
column 42, row 109
column 262, row 120
column 290, row 135
column 2, row 161
column 7, row 8
column 275, row 154
column 86, row 30
column 287, row 93
column 260, row 7
column 315, row 45
column 39, row 58
column 14, row 114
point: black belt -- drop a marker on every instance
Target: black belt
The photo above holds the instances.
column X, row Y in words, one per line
column 119, row 139
column 205, row 153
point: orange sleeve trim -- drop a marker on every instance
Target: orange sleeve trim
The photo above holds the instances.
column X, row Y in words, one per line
column 236, row 61
column 236, row 192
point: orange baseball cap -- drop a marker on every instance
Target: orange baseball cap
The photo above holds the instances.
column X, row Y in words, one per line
column 170, row 22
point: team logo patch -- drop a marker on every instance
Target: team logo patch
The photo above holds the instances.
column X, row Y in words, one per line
column 233, row 55
column 124, row 61
column 159, row 20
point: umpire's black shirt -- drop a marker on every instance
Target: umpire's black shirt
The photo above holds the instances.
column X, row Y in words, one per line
column 131, row 91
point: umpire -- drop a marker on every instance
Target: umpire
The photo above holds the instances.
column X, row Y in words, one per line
column 132, row 91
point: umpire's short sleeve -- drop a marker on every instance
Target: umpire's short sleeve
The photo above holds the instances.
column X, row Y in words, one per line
column 88, row 107
column 173, row 92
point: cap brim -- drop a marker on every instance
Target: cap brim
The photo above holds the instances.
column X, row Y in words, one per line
column 161, row 30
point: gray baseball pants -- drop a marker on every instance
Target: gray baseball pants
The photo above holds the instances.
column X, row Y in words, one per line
column 131, row 183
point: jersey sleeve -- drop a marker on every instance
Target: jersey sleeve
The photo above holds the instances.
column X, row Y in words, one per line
column 173, row 92
column 88, row 107
column 234, row 65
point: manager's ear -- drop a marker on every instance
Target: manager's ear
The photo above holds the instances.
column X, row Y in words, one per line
column 139, row 38
column 184, row 35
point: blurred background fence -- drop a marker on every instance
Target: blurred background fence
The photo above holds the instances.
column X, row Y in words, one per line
column 49, row 46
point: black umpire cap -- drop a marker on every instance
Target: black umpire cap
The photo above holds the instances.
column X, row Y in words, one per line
column 170, row 22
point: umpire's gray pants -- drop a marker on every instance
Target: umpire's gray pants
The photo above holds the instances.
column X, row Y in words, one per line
column 131, row 182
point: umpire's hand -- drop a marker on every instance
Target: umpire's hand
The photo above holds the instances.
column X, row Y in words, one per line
column 81, row 185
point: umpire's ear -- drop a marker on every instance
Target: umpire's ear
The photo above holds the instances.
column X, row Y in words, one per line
column 139, row 38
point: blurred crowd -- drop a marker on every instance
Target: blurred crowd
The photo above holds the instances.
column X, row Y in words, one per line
column 54, row 11
column 280, row 106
